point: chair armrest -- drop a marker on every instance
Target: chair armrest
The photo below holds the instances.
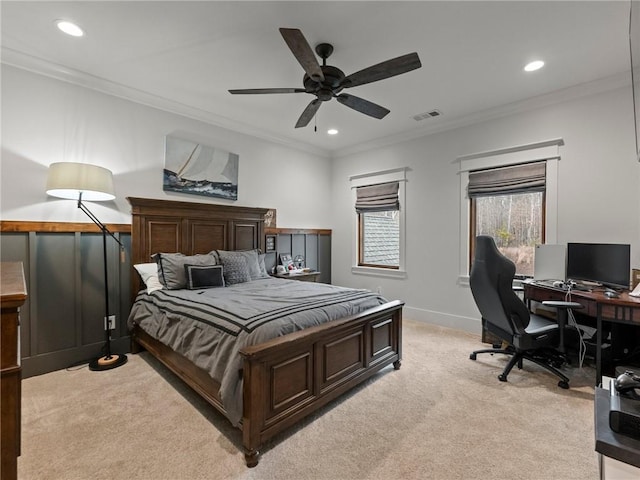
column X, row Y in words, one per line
column 558, row 304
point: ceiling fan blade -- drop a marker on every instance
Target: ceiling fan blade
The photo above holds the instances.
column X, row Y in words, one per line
column 267, row 90
column 383, row 70
column 303, row 53
column 362, row 105
column 308, row 113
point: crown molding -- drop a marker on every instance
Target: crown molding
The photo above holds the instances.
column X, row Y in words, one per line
column 53, row 70
column 43, row 67
column 559, row 96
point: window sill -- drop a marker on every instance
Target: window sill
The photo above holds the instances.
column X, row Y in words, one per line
column 379, row 272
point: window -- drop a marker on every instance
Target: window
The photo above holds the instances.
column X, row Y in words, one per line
column 508, row 204
column 377, row 207
column 379, row 239
column 508, row 220
column 379, row 223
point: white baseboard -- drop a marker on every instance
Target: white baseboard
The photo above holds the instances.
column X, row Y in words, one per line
column 467, row 324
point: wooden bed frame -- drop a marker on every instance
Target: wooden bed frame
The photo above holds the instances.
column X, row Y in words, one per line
column 284, row 379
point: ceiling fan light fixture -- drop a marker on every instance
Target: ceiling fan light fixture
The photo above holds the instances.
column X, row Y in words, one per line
column 69, row 28
column 533, row 66
column 332, row 131
column 326, row 82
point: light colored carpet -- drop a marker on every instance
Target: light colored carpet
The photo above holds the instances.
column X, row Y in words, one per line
column 441, row 416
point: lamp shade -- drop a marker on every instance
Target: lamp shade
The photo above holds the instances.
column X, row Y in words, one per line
column 69, row 180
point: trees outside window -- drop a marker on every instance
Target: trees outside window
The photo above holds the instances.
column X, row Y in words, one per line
column 516, row 223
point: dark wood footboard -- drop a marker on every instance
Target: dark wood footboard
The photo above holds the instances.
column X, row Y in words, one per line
column 290, row 377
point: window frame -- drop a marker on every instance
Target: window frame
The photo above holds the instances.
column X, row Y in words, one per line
column 360, row 240
column 548, row 151
column 384, row 176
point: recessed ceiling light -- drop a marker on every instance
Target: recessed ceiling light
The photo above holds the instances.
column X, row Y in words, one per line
column 332, row 131
column 533, row 66
column 69, row 28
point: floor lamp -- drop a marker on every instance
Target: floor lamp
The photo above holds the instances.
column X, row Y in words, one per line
column 81, row 181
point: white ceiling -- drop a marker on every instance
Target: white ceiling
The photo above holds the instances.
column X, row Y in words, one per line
column 184, row 56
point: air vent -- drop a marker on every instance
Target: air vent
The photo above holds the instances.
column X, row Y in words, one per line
column 423, row 116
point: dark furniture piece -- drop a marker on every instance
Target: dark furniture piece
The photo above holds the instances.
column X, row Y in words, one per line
column 622, row 310
column 506, row 316
column 609, row 443
column 303, row 277
column 284, row 379
column 13, row 294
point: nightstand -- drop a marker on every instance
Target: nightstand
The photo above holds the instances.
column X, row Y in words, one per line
column 303, row 277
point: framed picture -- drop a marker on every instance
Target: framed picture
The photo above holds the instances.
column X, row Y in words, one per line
column 198, row 169
column 286, row 260
column 270, row 218
column 270, row 243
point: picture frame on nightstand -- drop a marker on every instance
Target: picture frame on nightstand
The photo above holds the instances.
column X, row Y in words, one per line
column 270, row 243
column 286, row 260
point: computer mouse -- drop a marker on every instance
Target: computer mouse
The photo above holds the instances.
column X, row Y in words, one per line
column 609, row 294
column 627, row 382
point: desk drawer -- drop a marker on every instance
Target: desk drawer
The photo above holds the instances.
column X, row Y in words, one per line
column 538, row 294
column 621, row 314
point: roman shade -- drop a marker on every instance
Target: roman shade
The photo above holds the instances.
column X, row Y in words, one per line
column 523, row 178
column 377, row 198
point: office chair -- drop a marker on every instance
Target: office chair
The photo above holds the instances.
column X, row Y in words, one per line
column 504, row 314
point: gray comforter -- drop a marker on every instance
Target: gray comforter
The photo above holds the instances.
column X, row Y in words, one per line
column 210, row 326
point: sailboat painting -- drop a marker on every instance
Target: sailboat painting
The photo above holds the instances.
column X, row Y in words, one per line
column 198, row 169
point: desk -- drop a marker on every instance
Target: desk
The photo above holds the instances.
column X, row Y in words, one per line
column 625, row 310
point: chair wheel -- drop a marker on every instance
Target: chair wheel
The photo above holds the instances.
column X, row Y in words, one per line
column 502, row 377
column 472, row 356
column 563, row 384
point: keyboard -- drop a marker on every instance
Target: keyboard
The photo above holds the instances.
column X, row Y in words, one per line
column 575, row 286
column 549, row 283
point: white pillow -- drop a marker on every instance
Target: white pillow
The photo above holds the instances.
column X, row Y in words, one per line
column 149, row 274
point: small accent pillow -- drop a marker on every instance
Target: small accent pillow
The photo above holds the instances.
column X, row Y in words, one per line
column 235, row 270
column 204, row 276
column 171, row 267
column 149, row 274
column 252, row 258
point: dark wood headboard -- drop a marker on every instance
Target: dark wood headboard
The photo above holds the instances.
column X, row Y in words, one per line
column 190, row 228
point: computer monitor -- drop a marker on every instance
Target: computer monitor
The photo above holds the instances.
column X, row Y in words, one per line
column 606, row 263
column 550, row 262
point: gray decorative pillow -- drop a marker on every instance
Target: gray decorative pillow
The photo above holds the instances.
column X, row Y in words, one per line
column 171, row 270
column 263, row 268
column 251, row 257
column 235, row 269
column 204, row 276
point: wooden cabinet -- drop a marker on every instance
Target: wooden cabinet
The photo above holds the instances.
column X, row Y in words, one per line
column 13, row 294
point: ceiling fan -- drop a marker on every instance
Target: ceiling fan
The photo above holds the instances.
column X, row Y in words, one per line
column 326, row 82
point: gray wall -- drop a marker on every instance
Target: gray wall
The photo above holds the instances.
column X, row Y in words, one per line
column 314, row 247
column 61, row 323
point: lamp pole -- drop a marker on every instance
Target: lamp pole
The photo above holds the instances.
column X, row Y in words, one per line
column 108, row 361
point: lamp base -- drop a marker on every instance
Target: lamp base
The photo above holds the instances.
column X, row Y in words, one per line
column 107, row 363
